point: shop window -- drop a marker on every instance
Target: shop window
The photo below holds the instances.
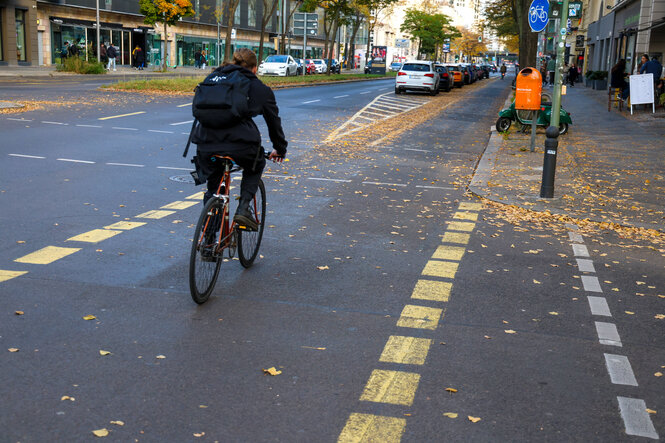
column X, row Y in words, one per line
column 236, row 16
column 1, row 51
column 251, row 13
column 20, row 35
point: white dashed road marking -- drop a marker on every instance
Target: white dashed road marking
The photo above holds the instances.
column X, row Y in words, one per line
column 311, row 101
column 608, row 334
column 341, row 96
column 621, row 373
column 329, row 179
column 25, row 156
column 89, row 126
column 585, row 265
column 19, row 119
column 126, row 164
column 636, row 418
column 124, row 129
column 580, row 250
column 56, row 123
column 383, row 184
column 591, row 283
column 75, row 161
column 599, row 306
column 181, row 123
column 159, row 131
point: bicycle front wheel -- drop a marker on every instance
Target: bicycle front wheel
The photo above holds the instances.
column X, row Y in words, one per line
column 204, row 261
column 249, row 241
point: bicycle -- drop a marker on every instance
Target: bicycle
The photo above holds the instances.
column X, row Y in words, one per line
column 216, row 232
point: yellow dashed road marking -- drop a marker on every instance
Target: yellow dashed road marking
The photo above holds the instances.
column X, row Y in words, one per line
column 455, row 237
column 8, row 275
column 361, row 428
column 125, row 225
column 466, row 216
column 467, row 206
column 47, row 255
column 394, row 387
column 94, row 236
column 419, row 317
column 197, row 196
column 406, row 350
column 445, row 269
column 179, row 205
column 461, row 226
column 155, row 214
column 432, row 290
column 454, row 253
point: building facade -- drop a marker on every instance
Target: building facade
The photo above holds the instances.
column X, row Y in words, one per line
column 38, row 32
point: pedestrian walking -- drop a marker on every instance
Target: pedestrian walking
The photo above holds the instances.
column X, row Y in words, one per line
column 566, row 72
column 135, row 63
column 503, row 70
column 197, row 59
column 204, row 59
column 551, row 66
column 102, row 54
column 73, row 50
column 111, row 53
column 140, row 59
column 618, row 78
column 572, row 74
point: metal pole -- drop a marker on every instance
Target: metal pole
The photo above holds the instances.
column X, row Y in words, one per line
column 552, row 133
column 304, row 47
column 217, row 51
column 534, row 125
column 99, row 44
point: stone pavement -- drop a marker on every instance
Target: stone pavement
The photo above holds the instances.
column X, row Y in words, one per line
column 610, row 165
column 50, row 71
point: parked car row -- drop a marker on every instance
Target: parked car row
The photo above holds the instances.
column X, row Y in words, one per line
column 431, row 77
column 285, row 65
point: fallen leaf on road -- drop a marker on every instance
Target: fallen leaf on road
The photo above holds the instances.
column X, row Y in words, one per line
column 102, row 352
column 651, row 411
column 20, row 242
column 658, row 374
column 89, row 317
column 19, row 312
column 536, row 281
column 13, row 349
column 453, row 390
column 202, row 406
column 488, row 337
column 101, row 432
column 451, row 414
column 160, row 356
column 509, row 331
column 473, row 419
column 322, row 268
column 659, row 316
column 629, row 312
column 553, row 313
column 272, row 371
column 200, row 434
column 67, row 397
column 118, row 422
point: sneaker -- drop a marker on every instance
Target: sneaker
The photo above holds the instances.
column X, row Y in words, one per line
column 244, row 218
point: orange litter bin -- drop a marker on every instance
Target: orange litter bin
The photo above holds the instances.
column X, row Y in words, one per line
column 528, row 87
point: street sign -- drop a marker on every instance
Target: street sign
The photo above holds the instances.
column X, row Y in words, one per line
column 402, row 43
column 538, row 15
column 574, row 9
column 446, row 47
column 304, row 22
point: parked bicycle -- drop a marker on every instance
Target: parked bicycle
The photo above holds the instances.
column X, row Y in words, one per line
column 217, row 233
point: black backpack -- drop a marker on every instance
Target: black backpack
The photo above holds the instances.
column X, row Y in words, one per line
column 222, row 100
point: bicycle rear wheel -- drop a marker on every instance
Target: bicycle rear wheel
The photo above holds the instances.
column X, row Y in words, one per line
column 249, row 241
column 204, row 262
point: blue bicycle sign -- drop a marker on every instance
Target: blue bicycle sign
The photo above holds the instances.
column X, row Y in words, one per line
column 539, row 15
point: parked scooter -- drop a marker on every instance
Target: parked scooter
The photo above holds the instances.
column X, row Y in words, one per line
column 509, row 115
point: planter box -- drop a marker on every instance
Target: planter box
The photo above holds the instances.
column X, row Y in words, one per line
column 600, row 85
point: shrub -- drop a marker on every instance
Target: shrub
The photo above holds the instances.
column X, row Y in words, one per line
column 80, row 66
column 601, row 75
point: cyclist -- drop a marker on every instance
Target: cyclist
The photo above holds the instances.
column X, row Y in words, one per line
column 503, row 70
column 242, row 142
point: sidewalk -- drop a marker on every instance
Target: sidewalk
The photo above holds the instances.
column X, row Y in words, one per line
column 50, row 71
column 610, row 165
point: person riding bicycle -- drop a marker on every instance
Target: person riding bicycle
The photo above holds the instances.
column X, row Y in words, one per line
column 503, row 70
column 242, row 142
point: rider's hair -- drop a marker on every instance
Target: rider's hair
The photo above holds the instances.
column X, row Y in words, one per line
column 244, row 57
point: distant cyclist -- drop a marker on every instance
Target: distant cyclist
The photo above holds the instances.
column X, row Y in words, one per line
column 242, row 142
column 503, row 70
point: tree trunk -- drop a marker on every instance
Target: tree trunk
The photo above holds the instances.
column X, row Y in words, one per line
column 333, row 43
column 528, row 39
column 265, row 19
column 166, row 48
column 233, row 4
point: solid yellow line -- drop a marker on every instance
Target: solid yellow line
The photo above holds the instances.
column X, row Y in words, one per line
column 362, row 428
column 47, row 255
column 467, row 206
column 455, row 237
column 121, row 115
column 444, row 269
column 394, row 387
column 8, row 275
column 155, row 214
column 179, row 205
column 453, row 253
column 419, row 317
column 432, row 290
column 406, row 350
column 94, row 236
column 466, row 216
column 461, row 226
column 125, row 225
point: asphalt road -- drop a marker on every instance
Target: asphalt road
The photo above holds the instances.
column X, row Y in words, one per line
column 385, row 293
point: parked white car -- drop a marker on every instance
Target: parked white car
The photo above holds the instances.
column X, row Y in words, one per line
column 417, row 75
column 321, row 66
column 282, row 65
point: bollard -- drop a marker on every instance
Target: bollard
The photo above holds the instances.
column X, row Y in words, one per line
column 549, row 162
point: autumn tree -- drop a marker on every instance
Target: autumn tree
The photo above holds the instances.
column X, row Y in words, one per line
column 510, row 18
column 269, row 8
column 430, row 30
column 231, row 6
column 468, row 43
column 168, row 12
column 374, row 8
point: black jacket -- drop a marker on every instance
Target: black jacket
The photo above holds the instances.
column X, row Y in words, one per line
column 246, row 133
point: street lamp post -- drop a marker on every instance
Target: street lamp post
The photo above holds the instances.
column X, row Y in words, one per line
column 99, row 44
